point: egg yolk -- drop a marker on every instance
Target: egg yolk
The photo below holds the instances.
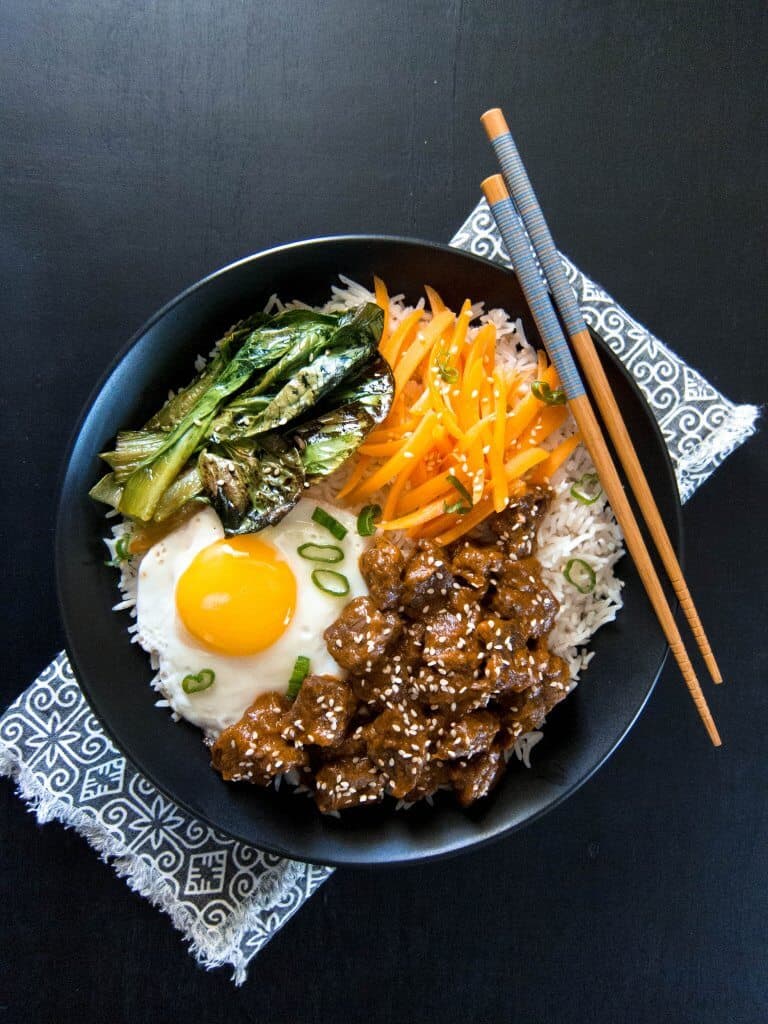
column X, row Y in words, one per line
column 237, row 595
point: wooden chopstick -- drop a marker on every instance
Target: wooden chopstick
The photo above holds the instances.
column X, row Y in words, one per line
column 548, row 325
column 524, row 198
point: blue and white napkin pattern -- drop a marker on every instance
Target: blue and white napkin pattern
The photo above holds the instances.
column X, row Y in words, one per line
column 228, row 899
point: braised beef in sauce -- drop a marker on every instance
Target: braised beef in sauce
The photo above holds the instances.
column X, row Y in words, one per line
column 447, row 664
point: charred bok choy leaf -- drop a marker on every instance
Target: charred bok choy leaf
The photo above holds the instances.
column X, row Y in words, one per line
column 252, row 485
column 284, row 400
column 328, row 441
column 263, row 347
column 351, row 345
column 179, row 405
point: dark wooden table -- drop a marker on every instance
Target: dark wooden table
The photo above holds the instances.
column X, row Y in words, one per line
column 145, row 144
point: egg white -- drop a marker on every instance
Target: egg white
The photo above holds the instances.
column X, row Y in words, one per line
column 240, row 679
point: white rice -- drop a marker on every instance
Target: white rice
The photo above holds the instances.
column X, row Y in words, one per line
column 569, row 530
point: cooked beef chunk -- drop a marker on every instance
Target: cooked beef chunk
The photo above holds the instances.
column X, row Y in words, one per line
column 497, row 634
column 382, row 567
column 347, row 782
column 517, row 670
column 456, row 692
column 436, row 774
column 361, row 635
column 410, row 650
column 475, row 778
column 517, row 525
column 535, row 610
column 397, row 742
column 477, row 565
column 353, row 745
column 321, row 712
column 427, row 581
column 470, row 735
column 380, row 687
column 449, row 643
column 253, row 749
column 524, row 711
column 467, row 600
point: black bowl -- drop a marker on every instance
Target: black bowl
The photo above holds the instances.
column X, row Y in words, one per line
column 579, row 735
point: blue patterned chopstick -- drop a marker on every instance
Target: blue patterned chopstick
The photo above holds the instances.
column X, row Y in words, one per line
column 537, row 296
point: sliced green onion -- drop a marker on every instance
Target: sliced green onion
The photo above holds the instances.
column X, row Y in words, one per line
column 299, row 674
column 465, row 502
column 122, row 551
column 455, row 482
column 587, row 489
column 323, row 518
column 321, row 553
column 330, row 582
column 366, row 521
column 194, row 684
column 447, row 372
column 580, row 574
column 544, row 393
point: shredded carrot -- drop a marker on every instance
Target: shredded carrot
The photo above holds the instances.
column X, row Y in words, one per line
column 556, row 458
column 523, row 461
column 390, row 347
column 527, row 408
column 427, row 492
column 467, row 522
column 383, row 448
column 355, row 477
column 496, row 448
column 455, row 414
column 414, row 448
column 547, row 422
column 409, row 360
column 422, row 515
column 436, row 304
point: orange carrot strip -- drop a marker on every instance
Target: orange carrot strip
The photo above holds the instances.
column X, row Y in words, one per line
column 438, row 394
column 523, row 461
column 409, row 360
column 434, row 527
column 496, row 454
column 414, row 448
column 382, row 299
column 556, row 458
column 462, row 326
column 381, row 450
column 466, row 522
column 428, row 491
column 390, row 433
column 526, row 409
column 436, row 304
column 475, row 432
column 476, row 347
column 354, row 477
column 422, row 515
column 547, row 422
column 390, row 505
column 489, row 351
column 390, row 347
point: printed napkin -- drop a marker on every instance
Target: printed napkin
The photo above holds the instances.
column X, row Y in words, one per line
column 228, row 899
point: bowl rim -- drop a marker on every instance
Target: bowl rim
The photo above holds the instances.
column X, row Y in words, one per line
column 450, row 849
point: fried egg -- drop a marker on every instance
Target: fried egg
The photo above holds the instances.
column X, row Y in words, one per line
column 242, row 607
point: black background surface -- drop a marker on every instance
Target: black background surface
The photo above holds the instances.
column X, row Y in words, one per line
column 145, row 144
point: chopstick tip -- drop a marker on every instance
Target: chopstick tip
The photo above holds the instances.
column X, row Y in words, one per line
column 494, row 122
column 494, row 189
